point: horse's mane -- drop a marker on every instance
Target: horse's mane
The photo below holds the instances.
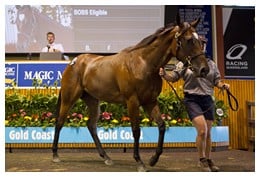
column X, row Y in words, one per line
column 149, row 39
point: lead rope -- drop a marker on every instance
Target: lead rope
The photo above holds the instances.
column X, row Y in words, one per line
column 213, row 105
column 229, row 94
column 174, row 91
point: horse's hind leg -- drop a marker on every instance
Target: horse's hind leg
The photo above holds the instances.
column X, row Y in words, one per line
column 94, row 110
column 154, row 113
column 66, row 100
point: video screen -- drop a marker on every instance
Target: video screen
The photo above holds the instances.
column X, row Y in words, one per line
column 79, row 28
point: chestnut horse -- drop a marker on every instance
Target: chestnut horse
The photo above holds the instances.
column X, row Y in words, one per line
column 129, row 77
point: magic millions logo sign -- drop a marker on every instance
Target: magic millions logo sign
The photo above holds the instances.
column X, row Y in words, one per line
column 25, row 74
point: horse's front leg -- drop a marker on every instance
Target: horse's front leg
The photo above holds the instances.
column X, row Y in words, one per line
column 133, row 111
column 94, row 110
column 154, row 112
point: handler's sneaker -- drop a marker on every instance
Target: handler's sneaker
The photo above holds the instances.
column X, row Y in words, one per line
column 204, row 166
column 212, row 166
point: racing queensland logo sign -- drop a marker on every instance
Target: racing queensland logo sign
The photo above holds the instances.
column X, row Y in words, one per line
column 235, row 57
column 25, row 74
column 239, row 42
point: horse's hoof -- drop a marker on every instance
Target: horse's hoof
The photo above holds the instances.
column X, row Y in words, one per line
column 56, row 159
column 109, row 162
column 153, row 161
column 142, row 168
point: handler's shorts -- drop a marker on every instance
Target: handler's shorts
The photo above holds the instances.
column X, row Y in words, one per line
column 197, row 105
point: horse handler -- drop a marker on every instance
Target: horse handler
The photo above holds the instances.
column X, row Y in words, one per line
column 198, row 94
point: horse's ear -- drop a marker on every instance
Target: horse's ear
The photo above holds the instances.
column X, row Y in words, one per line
column 178, row 19
column 195, row 22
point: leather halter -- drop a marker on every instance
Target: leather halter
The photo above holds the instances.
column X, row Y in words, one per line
column 188, row 58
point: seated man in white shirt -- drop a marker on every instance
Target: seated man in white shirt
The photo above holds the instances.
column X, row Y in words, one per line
column 52, row 46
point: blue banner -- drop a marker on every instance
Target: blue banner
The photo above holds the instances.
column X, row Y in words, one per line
column 25, row 74
column 115, row 135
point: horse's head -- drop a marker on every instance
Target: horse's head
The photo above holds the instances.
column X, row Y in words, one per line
column 186, row 47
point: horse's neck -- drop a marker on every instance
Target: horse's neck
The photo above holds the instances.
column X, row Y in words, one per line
column 157, row 54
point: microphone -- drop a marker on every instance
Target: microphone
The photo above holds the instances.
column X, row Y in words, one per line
column 48, row 46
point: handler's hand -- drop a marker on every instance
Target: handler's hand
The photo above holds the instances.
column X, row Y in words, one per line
column 162, row 72
column 225, row 86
